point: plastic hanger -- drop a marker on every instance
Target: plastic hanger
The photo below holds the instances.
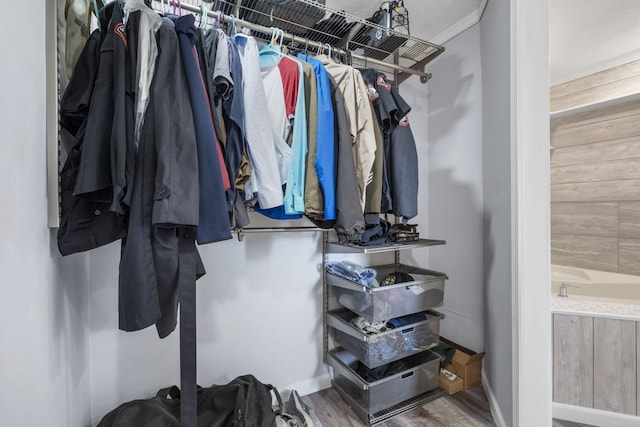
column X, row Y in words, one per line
column 179, row 7
column 95, row 10
column 233, row 25
column 274, row 47
column 203, row 18
column 219, row 19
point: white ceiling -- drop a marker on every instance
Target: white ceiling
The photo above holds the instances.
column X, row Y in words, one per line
column 587, row 36
column 433, row 20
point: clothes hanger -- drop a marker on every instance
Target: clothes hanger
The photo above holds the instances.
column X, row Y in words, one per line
column 233, row 25
column 179, row 6
column 274, row 48
column 203, row 18
column 219, row 19
column 95, row 10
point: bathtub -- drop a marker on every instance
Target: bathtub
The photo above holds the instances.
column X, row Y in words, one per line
column 598, row 295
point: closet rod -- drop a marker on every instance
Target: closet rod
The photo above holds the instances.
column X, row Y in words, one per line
column 242, row 231
column 266, row 30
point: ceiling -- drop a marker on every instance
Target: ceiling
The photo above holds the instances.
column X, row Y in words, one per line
column 435, row 21
column 587, row 36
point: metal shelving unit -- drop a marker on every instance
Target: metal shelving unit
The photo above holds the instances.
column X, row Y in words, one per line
column 386, row 247
column 331, row 247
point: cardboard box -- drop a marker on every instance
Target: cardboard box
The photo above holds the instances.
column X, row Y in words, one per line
column 450, row 386
column 466, row 363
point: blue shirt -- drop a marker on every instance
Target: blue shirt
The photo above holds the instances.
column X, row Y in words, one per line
column 325, row 150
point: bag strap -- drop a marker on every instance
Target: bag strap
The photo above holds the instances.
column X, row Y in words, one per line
column 280, row 408
column 187, row 296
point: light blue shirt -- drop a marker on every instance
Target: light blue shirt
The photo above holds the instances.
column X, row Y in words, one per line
column 294, row 189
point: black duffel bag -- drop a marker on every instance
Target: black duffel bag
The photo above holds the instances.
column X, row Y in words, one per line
column 243, row 402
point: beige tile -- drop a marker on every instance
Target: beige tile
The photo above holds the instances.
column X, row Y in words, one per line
column 597, row 253
column 617, row 149
column 629, row 220
column 629, row 256
column 623, row 127
column 595, row 80
column 596, row 171
column 608, row 191
column 591, row 219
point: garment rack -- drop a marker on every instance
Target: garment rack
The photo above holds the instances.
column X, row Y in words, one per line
column 299, row 229
column 409, row 59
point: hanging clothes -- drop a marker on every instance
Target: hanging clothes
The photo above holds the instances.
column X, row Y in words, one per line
column 385, row 108
column 323, row 159
column 280, row 113
column 349, row 219
column 294, row 190
column 313, row 199
column 84, row 224
column 98, row 180
column 213, row 219
column 149, row 23
column 267, row 159
column 400, row 189
column 367, row 139
column 164, row 210
column 282, row 79
column 404, row 162
column 236, row 145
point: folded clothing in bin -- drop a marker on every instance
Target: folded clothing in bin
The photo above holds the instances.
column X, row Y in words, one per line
column 375, row 374
column 352, row 271
column 399, row 322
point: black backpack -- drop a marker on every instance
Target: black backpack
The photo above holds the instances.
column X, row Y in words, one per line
column 243, row 402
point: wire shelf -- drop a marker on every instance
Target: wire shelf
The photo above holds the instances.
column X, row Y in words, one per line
column 309, row 24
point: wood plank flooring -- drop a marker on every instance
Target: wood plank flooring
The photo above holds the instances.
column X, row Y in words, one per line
column 468, row 408
column 563, row 423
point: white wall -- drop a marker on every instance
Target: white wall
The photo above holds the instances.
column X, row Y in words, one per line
column 496, row 158
column 259, row 312
column 44, row 373
column 450, row 147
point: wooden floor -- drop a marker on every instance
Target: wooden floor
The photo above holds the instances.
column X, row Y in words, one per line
column 468, row 408
column 562, row 423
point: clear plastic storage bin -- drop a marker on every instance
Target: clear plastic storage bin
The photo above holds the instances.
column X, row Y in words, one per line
column 384, row 347
column 410, row 377
column 426, row 291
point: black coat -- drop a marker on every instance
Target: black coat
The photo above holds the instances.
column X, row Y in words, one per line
column 84, row 223
column 164, row 205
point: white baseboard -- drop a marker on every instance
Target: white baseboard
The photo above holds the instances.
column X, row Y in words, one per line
column 597, row 417
column 493, row 403
column 307, row 387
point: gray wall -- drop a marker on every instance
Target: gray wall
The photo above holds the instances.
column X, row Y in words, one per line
column 496, row 159
column 44, row 372
column 450, row 144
